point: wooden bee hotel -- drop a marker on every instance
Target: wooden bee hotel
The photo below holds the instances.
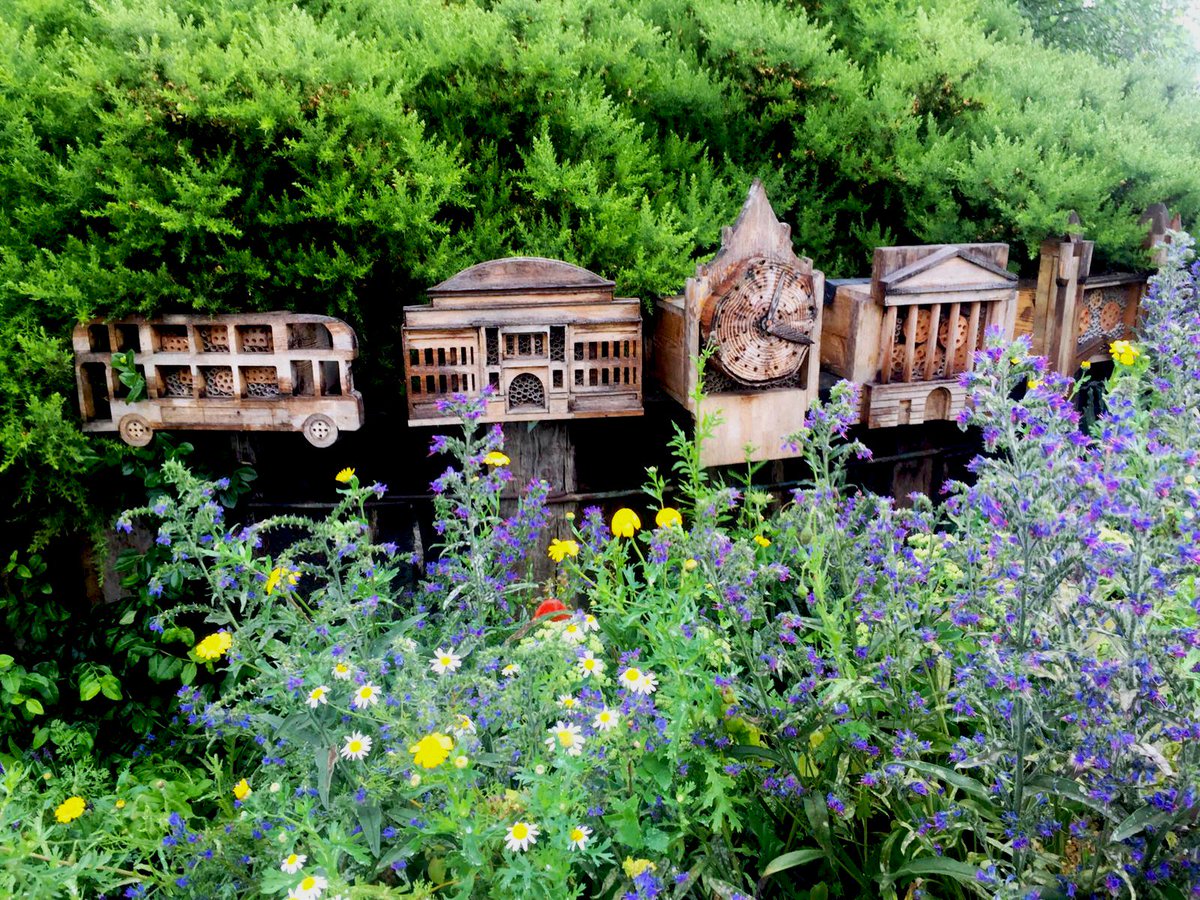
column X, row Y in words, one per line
column 548, row 337
column 757, row 305
column 908, row 333
column 254, row 372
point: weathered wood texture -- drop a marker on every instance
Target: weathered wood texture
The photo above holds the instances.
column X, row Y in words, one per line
column 266, row 372
column 545, row 452
column 908, row 333
column 548, row 337
column 758, row 306
column 1074, row 314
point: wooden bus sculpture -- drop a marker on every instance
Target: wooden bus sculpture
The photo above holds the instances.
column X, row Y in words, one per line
column 265, row 372
column 908, row 333
column 758, row 305
column 547, row 336
column 1074, row 314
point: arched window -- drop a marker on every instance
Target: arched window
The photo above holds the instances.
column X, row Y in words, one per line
column 526, row 392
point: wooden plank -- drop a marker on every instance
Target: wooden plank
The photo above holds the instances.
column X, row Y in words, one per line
column 910, row 343
column 972, row 335
column 952, row 342
column 965, row 292
column 430, row 318
column 931, row 345
column 888, row 344
column 763, row 419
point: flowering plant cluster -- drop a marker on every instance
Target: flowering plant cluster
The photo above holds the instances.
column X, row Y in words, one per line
column 722, row 693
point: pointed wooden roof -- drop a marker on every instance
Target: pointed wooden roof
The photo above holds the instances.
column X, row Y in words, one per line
column 756, row 233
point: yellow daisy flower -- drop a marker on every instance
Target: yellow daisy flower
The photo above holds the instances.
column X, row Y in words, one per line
column 667, row 516
column 214, row 646
column 70, row 809
column 431, row 751
column 625, row 522
column 560, row 550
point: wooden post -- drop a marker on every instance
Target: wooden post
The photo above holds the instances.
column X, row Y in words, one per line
column 543, row 451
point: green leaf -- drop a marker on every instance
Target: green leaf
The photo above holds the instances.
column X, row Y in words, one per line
column 370, row 818
column 1070, row 790
column 964, row 783
column 936, row 865
column 188, row 675
column 1136, row 821
column 88, row 690
column 326, row 757
column 5, row 660
column 110, row 686
column 128, row 618
column 34, row 706
column 794, row 858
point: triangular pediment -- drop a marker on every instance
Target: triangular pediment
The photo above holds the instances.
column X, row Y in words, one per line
column 955, row 266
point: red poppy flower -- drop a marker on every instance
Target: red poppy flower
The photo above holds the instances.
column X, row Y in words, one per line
column 550, row 606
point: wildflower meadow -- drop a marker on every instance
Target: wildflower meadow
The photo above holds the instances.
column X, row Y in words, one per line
column 722, row 692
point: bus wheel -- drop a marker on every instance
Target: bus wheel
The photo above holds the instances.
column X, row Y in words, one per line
column 135, row 431
column 320, row 431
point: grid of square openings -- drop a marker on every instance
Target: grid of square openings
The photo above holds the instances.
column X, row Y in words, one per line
column 438, row 370
column 606, row 363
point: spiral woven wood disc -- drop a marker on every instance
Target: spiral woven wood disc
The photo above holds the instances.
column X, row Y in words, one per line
column 746, row 350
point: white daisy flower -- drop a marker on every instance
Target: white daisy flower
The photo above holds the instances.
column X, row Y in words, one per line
column 606, row 720
column 462, row 726
column 579, row 836
column 521, row 835
column 316, row 697
column 574, row 632
column 293, row 863
column 566, row 701
column 342, row 671
column 408, row 645
column 512, row 670
column 639, row 682
column 367, row 695
column 357, row 746
column 566, row 737
column 590, row 623
column 589, row 665
column 445, row 661
column 310, row 887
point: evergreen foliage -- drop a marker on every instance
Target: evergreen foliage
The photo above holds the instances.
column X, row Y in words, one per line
column 341, row 157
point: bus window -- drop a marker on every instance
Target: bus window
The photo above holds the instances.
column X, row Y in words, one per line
column 96, row 378
column 98, row 338
column 128, row 338
column 331, row 380
column 309, row 335
column 303, row 384
column 171, row 338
